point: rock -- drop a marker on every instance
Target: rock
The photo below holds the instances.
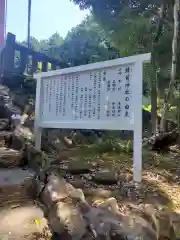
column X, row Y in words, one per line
column 107, row 221
column 54, row 191
column 27, row 122
column 105, row 177
column 175, row 223
column 5, row 138
column 7, row 108
column 149, row 222
column 23, row 221
column 168, row 223
column 20, row 99
column 24, row 117
column 98, row 193
column 57, row 189
column 36, row 159
column 10, row 158
column 51, row 140
column 78, row 167
column 16, row 186
column 42, row 175
column 21, row 135
column 4, row 124
column 10, row 110
column 87, row 176
column 65, row 216
column 4, row 96
column 68, row 142
column 135, row 227
column 77, row 183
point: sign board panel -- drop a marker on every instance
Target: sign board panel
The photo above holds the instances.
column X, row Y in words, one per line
column 105, row 95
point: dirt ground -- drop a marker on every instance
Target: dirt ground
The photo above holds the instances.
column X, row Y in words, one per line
column 160, row 186
column 161, row 175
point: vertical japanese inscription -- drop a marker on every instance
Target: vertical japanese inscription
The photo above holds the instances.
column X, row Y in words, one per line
column 50, row 95
column 72, row 97
column 99, row 96
column 83, row 99
column 81, row 102
column 77, row 97
column 93, row 94
column 128, row 71
column 60, row 95
column 64, row 95
column 57, row 96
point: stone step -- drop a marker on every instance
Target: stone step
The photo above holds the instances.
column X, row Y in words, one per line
column 10, row 158
column 16, row 186
column 4, row 123
column 23, row 222
column 5, row 138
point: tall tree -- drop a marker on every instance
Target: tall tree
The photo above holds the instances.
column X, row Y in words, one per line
column 176, row 14
column 86, row 43
column 125, row 21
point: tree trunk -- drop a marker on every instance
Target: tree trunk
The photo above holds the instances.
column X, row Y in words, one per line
column 154, row 97
column 178, row 106
column 174, row 65
column 154, row 70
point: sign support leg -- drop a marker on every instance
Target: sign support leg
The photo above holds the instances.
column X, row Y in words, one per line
column 137, row 143
column 38, row 134
column 137, row 156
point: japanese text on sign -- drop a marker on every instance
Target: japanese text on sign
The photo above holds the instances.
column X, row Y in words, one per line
column 105, row 95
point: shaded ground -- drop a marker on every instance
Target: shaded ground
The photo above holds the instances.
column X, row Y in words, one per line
column 160, row 187
column 161, row 175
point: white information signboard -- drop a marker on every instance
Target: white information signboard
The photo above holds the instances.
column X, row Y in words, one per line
column 105, row 95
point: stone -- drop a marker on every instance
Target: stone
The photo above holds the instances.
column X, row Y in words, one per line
column 7, row 108
column 16, row 186
column 27, row 122
column 36, row 158
column 10, row 110
column 10, row 158
column 23, row 119
column 107, row 221
column 98, row 193
column 42, row 175
column 68, row 142
column 4, row 96
column 55, row 190
column 5, row 138
column 78, row 167
column 4, row 124
column 105, row 177
column 87, row 176
column 21, row 135
column 51, row 140
column 65, row 216
column 77, row 183
column 23, row 221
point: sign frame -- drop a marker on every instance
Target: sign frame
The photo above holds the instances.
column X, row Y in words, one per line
column 137, row 82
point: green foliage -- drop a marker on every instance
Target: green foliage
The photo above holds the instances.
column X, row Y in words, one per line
column 117, row 28
column 86, row 43
column 112, row 144
column 46, row 45
column 131, row 26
